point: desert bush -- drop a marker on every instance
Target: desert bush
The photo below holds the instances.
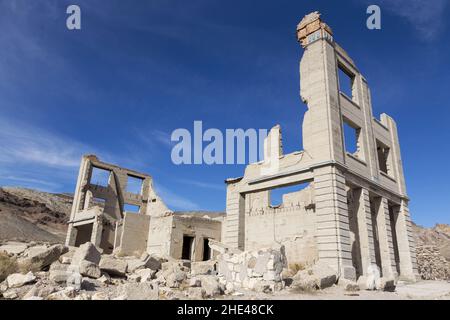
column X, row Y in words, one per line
column 27, row 266
column 8, row 265
column 296, row 267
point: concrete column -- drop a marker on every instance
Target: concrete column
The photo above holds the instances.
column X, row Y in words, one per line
column 97, row 228
column 233, row 228
column 333, row 230
column 363, row 216
column 406, row 243
column 71, row 235
column 84, row 174
column 384, row 232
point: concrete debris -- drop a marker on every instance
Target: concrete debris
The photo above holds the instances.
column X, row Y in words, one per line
column 348, row 285
column 87, row 252
column 113, row 266
column 210, row 285
column 89, row 269
column 139, row 291
column 196, row 293
column 373, row 277
column 135, row 264
column 146, row 274
column 203, row 267
column 17, row 280
column 248, row 269
column 100, row 296
column 14, row 248
column 318, row 276
column 10, row 295
column 43, row 256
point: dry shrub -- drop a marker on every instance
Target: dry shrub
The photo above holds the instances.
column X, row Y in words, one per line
column 27, row 266
column 8, row 265
column 296, row 267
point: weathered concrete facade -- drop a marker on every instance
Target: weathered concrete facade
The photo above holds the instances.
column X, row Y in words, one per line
column 100, row 215
column 354, row 212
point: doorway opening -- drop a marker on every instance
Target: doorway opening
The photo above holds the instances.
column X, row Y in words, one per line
column 206, row 250
column 188, row 242
column 84, row 233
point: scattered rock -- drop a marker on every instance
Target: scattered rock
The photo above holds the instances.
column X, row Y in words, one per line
column 196, row 293
column 105, row 279
column 100, row 296
column 348, row 285
column 58, row 272
column 66, row 260
column 134, row 278
column 146, row 274
column 89, row 269
column 386, row 284
column 113, row 266
column 10, row 294
column 14, row 248
column 39, row 290
column 318, row 276
column 3, row 286
column 153, row 262
column 74, row 280
column 17, row 280
column 139, row 291
column 326, row 276
column 195, row 282
column 175, row 278
column 33, row 298
column 88, row 252
column 203, row 268
column 41, row 256
column 211, row 286
column 135, row 264
column 373, row 277
column 67, row 294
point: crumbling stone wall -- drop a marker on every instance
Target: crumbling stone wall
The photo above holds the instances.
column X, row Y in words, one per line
column 291, row 224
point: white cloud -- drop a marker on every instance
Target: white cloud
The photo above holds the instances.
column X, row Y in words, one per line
column 22, row 143
column 426, row 16
column 174, row 201
column 205, row 185
column 29, row 182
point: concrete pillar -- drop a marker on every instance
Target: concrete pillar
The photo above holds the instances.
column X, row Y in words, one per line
column 97, row 229
column 383, row 224
column 406, row 243
column 71, row 235
column 363, row 217
column 84, row 175
column 333, row 230
column 233, row 228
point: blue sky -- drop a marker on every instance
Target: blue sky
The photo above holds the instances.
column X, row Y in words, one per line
column 134, row 73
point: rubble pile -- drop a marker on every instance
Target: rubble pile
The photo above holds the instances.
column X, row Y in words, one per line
column 57, row 272
column 431, row 264
column 258, row 270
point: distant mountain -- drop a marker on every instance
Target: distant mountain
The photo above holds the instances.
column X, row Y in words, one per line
column 32, row 215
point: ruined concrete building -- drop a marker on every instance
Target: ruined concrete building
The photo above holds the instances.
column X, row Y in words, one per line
column 352, row 213
column 354, row 210
column 118, row 210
